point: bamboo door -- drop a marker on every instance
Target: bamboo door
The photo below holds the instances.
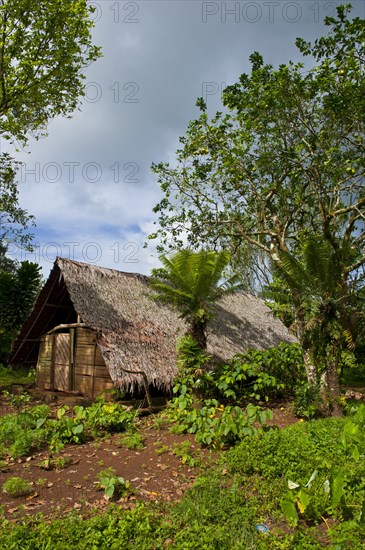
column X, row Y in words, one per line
column 61, row 361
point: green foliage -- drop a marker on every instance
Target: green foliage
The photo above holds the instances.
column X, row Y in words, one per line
column 131, row 441
column 17, row 487
column 284, row 153
column 185, row 452
column 248, row 487
column 213, row 424
column 327, row 312
column 18, row 292
column 283, row 162
column 261, row 374
column 34, row 428
column 14, row 221
column 191, row 281
column 193, row 362
column 103, row 417
column 23, row 433
column 308, row 401
column 45, row 48
column 256, row 374
column 319, row 466
column 17, row 401
column 10, row 376
column 114, row 486
column 66, row 429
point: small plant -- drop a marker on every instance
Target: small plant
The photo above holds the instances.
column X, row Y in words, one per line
column 17, row 487
column 159, row 421
column 114, row 486
column 184, row 451
column 66, row 429
column 41, row 481
column 61, row 462
column 131, row 441
column 161, row 449
column 17, row 401
column 214, row 424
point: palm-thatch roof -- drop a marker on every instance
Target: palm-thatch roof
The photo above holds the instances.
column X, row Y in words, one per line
column 133, row 331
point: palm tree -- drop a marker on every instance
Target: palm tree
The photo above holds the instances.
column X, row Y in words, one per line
column 192, row 282
column 324, row 305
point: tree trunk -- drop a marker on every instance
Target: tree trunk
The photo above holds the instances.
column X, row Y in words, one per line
column 198, row 333
column 332, row 388
column 310, row 368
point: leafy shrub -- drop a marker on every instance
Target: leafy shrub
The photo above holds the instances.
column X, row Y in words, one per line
column 193, row 365
column 261, row 374
column 214, row 424
column 185, row 452
column 102, row 417
column 308, row 401
column 17, row 487
column 15, row 375
column 66, row 429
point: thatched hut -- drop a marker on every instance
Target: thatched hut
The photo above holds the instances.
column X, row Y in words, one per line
column 93, row 328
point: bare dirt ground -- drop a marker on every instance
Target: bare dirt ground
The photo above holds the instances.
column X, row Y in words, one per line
column 153, row 475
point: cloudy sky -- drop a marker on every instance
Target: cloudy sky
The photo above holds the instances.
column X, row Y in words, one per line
column 88, row 183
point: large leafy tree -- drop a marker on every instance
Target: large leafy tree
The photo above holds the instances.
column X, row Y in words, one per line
column 45, row 45
column 192, row 282
column 286, row 154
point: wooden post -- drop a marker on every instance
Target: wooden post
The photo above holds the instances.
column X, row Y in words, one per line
column 72, row 360
column 51, row 381
column 93, row 380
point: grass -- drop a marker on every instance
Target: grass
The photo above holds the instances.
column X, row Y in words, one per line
column 15, row 376
column 231, row 500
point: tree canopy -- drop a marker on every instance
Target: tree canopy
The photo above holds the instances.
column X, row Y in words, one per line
column 44, row 47
column 192, row 281
column 287, row 154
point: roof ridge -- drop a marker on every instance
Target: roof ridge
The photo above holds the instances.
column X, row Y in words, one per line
column 60, row 261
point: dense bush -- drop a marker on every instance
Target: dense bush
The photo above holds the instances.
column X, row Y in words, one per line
column 257, row 374
column 262, row 374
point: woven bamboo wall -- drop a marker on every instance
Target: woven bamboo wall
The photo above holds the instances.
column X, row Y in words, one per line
column 91, row 377
column 44, row 363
